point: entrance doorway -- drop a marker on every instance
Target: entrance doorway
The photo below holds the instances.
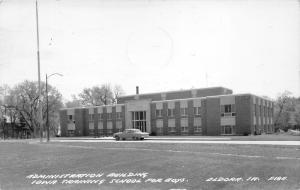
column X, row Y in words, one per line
column 138, row 120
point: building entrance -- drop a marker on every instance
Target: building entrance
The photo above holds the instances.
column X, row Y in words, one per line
column 138, row 120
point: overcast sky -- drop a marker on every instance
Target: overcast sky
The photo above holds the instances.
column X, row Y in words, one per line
column 246, row 45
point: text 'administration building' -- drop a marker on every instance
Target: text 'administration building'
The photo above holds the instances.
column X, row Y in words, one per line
column 205, row 111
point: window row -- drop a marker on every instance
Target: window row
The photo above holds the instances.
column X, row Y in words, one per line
column 101, row 116
column 183, row 112
column 183, row 129
column 109, row 125
column 183, row 123
column 261, row 110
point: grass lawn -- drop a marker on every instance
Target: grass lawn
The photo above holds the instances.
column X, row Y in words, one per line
column 147, row 166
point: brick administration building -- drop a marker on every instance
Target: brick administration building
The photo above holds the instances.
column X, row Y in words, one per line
column 204, row 111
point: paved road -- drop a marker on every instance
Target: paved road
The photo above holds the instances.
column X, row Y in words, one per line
column 184, row 140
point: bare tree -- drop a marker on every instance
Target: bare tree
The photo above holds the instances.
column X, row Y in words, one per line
column 117, row 92
column 24, row 98
column 106, row 94
column 96, row 95
column 75, row 102
column 282, row 104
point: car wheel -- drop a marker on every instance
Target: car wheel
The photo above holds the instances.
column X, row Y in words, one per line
column 117, row 138
column 142, row 138
column 123, row 139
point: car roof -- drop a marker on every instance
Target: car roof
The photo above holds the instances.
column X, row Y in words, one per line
column 132, row 129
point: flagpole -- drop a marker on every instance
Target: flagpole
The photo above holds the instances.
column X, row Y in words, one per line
column 39, row 76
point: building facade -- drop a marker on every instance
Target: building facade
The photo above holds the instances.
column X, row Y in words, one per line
column 206, row 111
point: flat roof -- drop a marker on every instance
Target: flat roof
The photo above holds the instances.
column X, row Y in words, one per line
column 215, row 96
column 172, row 91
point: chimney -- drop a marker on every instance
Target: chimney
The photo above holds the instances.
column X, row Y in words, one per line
column 137, row 89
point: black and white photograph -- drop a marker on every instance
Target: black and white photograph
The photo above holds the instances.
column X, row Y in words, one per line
column 150, row 94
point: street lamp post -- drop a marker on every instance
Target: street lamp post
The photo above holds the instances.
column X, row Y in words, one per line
column 47, row 120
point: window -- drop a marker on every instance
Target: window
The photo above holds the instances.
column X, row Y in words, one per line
column 159, row 130
column 184, row 125
column 197, row 111
column 101, row 131
column 109, row 127
column 197, row 129
column 100, row 116
column 91, row 117
column 227, row 110
column 119, row 125
column 171, row 125
column 183, row 111
column 228, row 130
column 109, row 116
column 91, row 132
column 159, row 126
column 109, row 131
column 265, row 110
column 138, row 120
column 159, row 113
column 100, row 128
column 71, row 133
column 71, row 119
column 197, row 125
column 171, row 112
column 172, row 129
column 119, row 115
column 184, row 129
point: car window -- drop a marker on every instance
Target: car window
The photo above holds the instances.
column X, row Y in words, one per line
column 128, row 131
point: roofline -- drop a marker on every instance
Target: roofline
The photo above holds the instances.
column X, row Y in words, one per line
column 241, row 94
column 174, row 91
column 215, row 96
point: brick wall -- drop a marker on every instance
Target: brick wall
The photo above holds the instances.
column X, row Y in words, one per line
column 165, row 118
column 104, row 121
column 63, row 117
column 213, row 116
column 204, row 116
column 153, row 117
column 79, row 122
column 114, row 118
column 191, row 117
column 243, row 114
column 177, row 118
column 123, row 118
column 96, row 119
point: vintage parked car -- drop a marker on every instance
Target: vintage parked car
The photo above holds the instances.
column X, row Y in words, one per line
column 132, row 134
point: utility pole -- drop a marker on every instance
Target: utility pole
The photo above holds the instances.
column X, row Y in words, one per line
column 40, row 116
